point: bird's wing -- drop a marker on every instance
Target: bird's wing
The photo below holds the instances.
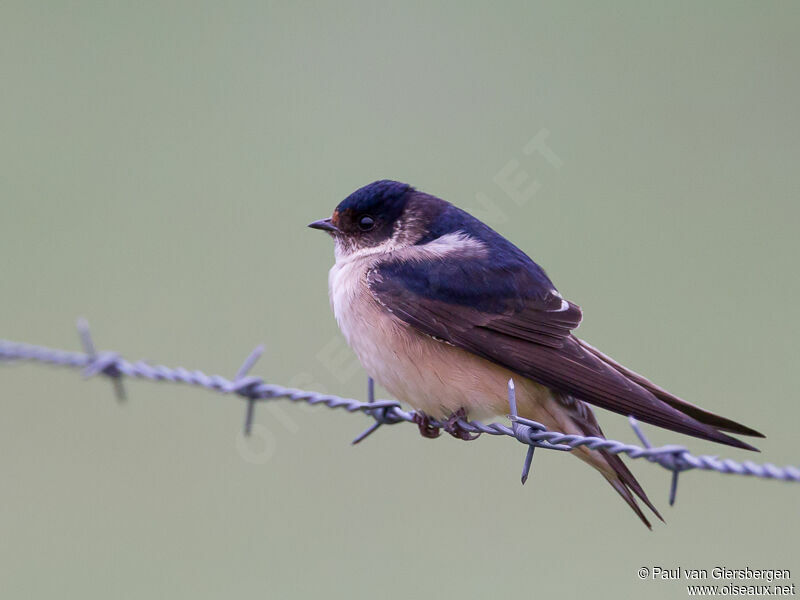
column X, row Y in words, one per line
column 509, row 312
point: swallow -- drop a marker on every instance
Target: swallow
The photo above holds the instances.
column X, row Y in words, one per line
column 442, row 311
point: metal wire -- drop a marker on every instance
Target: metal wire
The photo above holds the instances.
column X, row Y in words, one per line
column 384, row 412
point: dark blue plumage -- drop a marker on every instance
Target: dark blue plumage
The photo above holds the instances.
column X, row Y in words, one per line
column 505, row 279
column 384, row 197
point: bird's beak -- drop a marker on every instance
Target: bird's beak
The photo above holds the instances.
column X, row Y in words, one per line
column 324, row 225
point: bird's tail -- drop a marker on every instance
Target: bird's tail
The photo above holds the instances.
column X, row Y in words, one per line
column 582, row 419
column 626, row 485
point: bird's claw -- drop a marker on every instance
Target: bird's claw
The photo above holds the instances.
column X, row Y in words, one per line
column 426, row 428
column 453, row 426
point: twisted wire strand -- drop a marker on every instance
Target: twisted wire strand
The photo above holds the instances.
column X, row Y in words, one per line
column 385, row 412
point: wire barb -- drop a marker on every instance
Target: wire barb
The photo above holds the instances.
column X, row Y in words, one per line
column 669, row 457
column 526, row 432
column 520, row 431
column 247, row 386
column 385, row 412
column 104, row 363
column 383, row 415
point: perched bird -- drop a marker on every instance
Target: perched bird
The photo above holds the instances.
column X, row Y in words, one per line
column 442, row 311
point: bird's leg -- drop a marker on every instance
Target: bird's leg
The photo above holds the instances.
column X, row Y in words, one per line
column 426, row 428
column 454, row 428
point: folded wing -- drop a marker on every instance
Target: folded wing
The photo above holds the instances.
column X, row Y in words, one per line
column 507, row 311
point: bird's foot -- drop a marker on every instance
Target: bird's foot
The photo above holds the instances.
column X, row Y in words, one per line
column 426, row 428
column 454, row 428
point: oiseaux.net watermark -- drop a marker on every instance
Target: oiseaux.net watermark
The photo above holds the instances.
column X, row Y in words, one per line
column 724, row 581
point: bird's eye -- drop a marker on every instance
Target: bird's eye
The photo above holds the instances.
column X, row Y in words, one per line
column 366, row 223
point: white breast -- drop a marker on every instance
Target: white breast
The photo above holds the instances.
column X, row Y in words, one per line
column 367, row 327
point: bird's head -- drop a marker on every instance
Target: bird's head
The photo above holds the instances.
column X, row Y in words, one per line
column 380, row 216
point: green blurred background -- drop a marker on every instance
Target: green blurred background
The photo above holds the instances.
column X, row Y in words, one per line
column 158, row 164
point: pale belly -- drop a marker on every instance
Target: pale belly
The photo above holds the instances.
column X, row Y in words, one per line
column 428, row 375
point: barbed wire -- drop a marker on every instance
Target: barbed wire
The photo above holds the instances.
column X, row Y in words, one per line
column 254, row 389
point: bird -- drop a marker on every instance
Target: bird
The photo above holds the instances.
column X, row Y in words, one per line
column 443, row 311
